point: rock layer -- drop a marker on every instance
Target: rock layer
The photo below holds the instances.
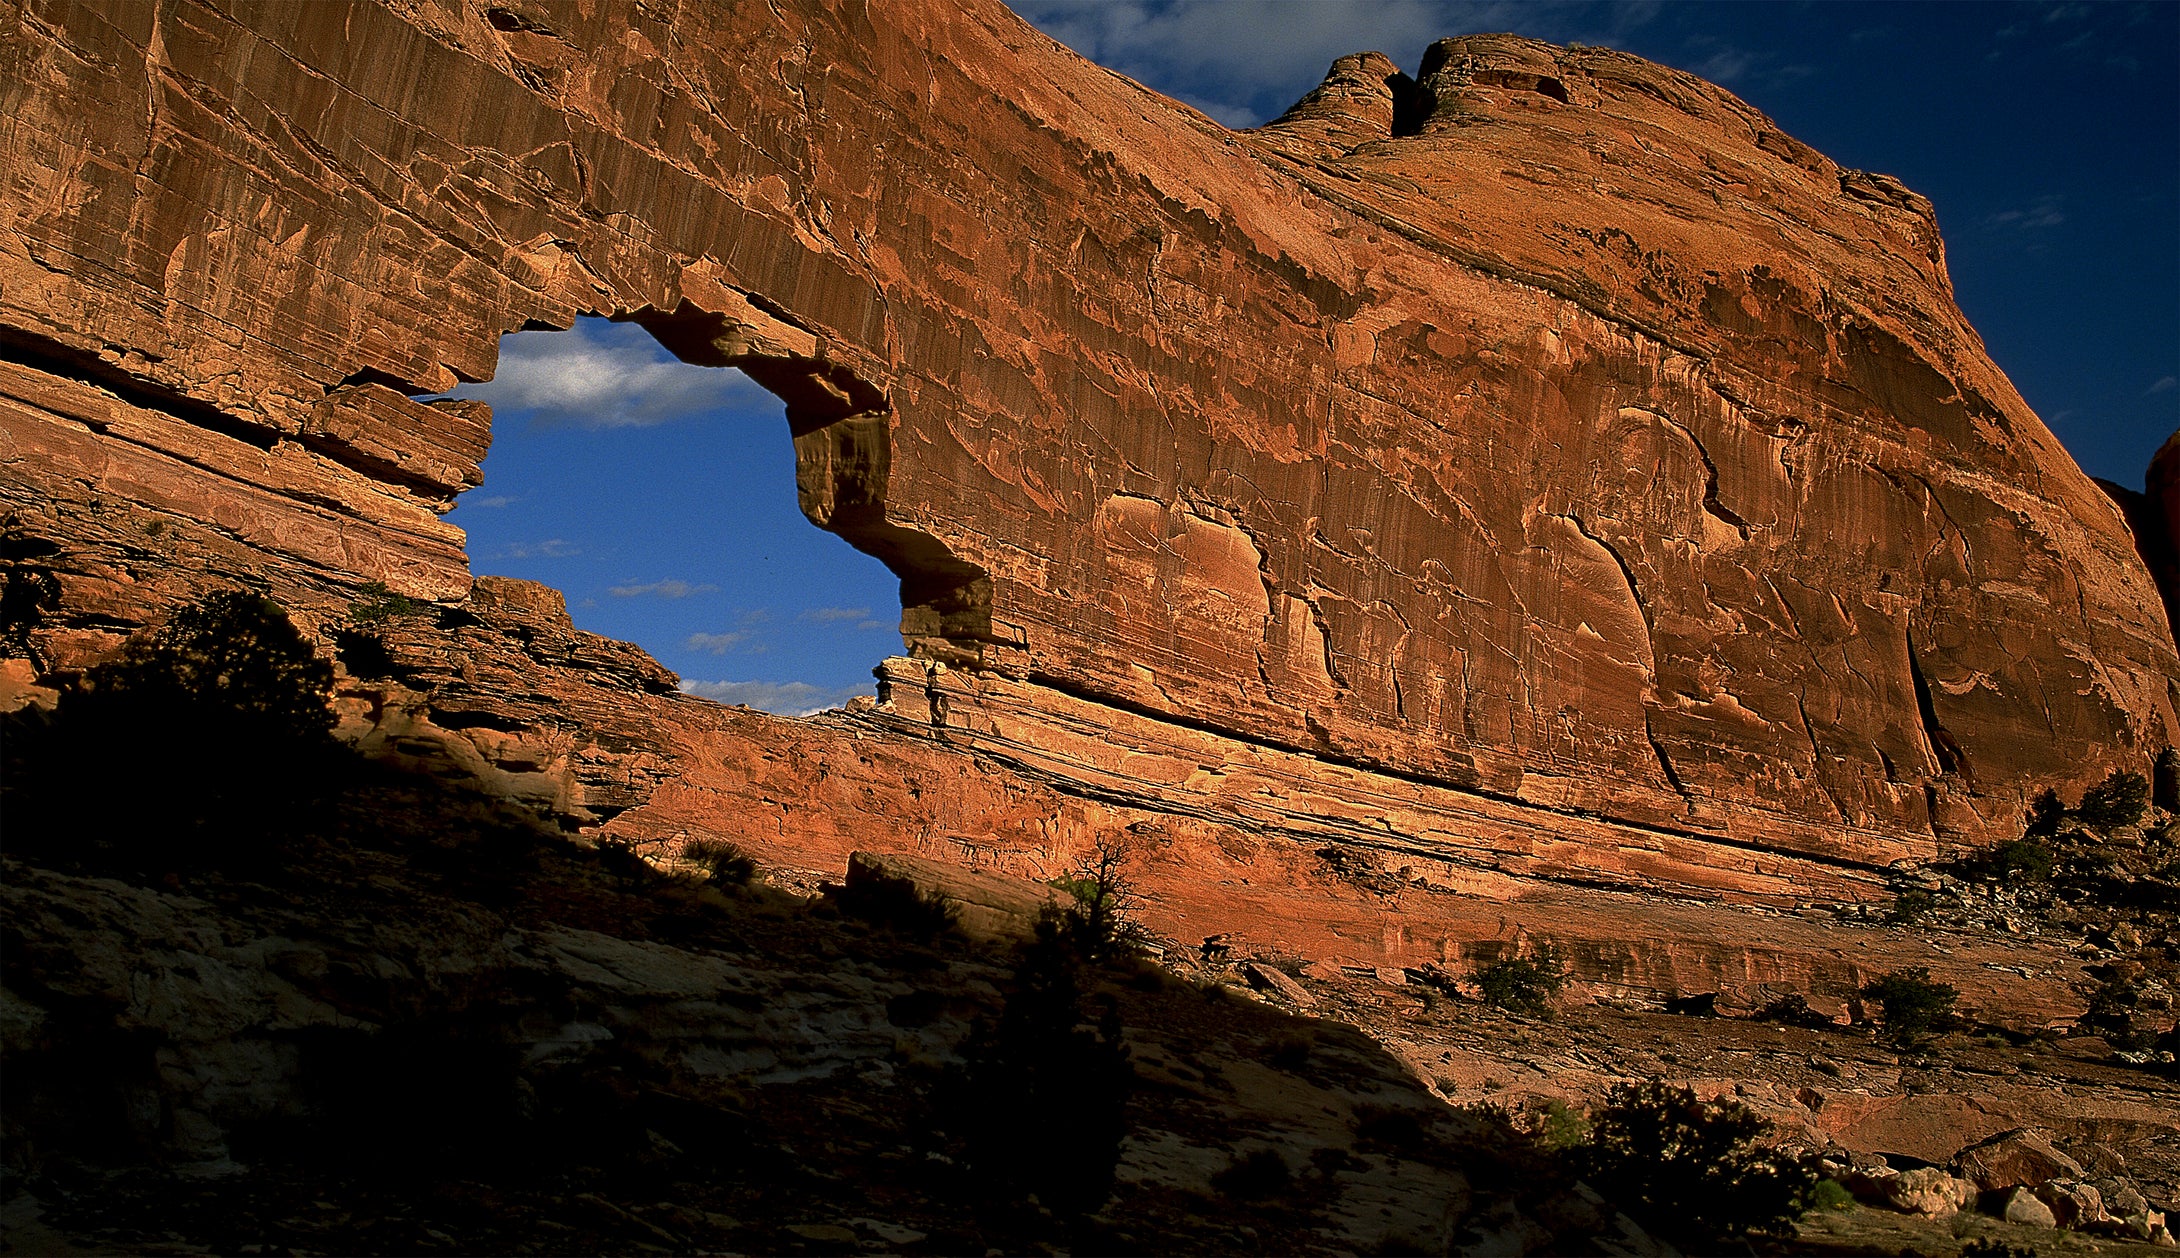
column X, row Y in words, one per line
column 1546, row 444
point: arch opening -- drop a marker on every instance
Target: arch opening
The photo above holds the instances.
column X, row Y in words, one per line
column 842, row 430
column 635, row 484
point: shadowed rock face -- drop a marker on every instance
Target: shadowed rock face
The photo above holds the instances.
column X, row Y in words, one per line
column 1548, row 427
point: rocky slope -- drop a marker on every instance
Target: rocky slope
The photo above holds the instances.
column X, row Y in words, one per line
column 436, row 1028
column 433, row 1026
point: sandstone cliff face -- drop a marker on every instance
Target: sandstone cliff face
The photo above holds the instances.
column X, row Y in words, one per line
column 1547, row 432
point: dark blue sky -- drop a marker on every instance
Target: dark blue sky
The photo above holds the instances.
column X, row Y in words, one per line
column 660, row 497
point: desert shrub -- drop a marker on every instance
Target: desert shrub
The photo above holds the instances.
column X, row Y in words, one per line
column 2119, row 800
column 1793, row 1010
column 362, row 653
column 1830, row 1194
column 1558, row 1125
column 230, row 664
column 2017, row 862
column 361, row 645
column 724, row 864
column 1039, row 1104
column 376, row 604
column 1099, row 923
column 1913, row 1005
column 27, row 593
column 1908, row 907
column 623, row 863
column 1692, row 1170
column 900, row 907
column 2047, row 812
column 1993, row 1247
column 2121, row 1012
column 200, row 742
column 1522, row 984
column 1254, row 1176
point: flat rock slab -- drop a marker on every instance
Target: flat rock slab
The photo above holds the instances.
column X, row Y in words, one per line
column 986, row 905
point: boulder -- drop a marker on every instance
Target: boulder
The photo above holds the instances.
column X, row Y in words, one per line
column 986, row 905
column 2012, row 1158
column 2022, row 1206
column 1268, row 978
column 1929, row 1191
column 2074, row 1204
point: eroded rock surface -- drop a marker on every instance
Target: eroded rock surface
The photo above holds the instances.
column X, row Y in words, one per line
column 1548, row 426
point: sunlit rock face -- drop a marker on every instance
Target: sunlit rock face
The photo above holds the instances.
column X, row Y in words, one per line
column 1546, row 427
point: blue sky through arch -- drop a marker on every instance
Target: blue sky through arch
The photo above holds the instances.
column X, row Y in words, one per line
column 660, row 497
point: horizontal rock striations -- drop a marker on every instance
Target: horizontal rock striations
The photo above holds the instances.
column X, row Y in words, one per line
column 1545, row 436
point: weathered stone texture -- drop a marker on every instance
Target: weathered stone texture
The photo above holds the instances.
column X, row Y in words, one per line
column 1548, row 431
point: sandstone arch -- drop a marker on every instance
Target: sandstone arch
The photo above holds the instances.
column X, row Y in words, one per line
column 998, row 291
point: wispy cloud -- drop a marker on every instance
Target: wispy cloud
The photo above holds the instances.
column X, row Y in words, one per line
column 787, row 698
column 607, row 375
column 1226, row 113
column 669, row 588
column 495, row 502
column 1737, row 67
column 857, row 618
column 1728, row 65
column 739, row 640
column 550, row 548
column 2163, row 384
column 2043, row 212
column 1243, row 61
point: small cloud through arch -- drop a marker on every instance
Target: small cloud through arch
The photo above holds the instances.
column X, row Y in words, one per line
column 789, row 698
column 599, row 374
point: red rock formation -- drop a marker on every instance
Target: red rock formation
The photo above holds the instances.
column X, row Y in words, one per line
column 1544, row 461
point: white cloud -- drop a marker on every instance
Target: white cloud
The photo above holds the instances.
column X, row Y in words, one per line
column 496, row 501
column 2163, row 384
column 787, row 698
column 550, row 548
column 606, row 375
column 721, row 643
column 669, row 588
